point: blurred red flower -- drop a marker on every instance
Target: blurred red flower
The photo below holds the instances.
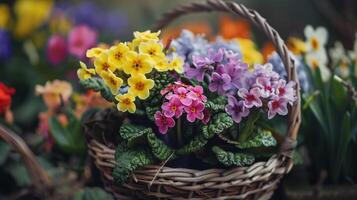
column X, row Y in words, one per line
column 56, row 49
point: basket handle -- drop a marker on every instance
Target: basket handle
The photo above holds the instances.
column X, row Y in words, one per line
column 38, row 175
column 294, row 117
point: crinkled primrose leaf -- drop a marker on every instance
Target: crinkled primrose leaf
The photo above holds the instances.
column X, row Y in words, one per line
column 217, row 104
column 159, row 148
column 232, row 159
column 97, row 85
column 128, row 160
column 218, row 124
column 134, row 134
column 197, row 143
column 263, row 138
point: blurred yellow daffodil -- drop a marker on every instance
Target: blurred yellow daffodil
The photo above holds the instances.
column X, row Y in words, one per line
column 140, row 86
column 4, row 15
column 250, row 53
column 30, row 14
column 83, row 72
column 296, row 45
column 162, row 65
column 126, row 102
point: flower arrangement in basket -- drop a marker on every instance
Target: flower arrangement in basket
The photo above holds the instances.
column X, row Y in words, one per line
column 187, row 123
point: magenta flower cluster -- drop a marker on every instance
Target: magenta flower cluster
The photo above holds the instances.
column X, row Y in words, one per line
column 181, row 98
column 258, row 87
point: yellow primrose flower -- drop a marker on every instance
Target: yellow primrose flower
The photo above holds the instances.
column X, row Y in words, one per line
column 162, row 65
column 84, row 73
column 140, row 86
column 117, row 55
column 143, row 37
column 147, row 35
column 176, row 64
column 94, row 52
column 296, row 45
column 137, row 63
column 249, row 51
column 154, row 49
column 112, row 81
column 126, row 102
column 101, row 64
column 4, row 15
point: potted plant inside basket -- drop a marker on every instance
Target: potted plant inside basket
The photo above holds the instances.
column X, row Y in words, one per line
column 187, row 123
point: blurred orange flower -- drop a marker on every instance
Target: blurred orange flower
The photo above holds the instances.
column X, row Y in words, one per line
column 89, row 100
column 230, row 28
column 195, row 27
column 54, row 93
column 267, row 50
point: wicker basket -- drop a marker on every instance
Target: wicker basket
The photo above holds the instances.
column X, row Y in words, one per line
column 254, row 182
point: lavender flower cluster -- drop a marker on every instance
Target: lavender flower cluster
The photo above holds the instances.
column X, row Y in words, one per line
column 279, row 67
column 245, row 88
column 189, row 45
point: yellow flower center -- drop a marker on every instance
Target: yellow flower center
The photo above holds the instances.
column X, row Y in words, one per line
column 136, row 64
column 106, row 66
column 118, row 55
column 314, row 43
column 126, row 101
column 139, row 86
column 152, row 52
column 314, row 64
column 193, row 110
column 112, row 81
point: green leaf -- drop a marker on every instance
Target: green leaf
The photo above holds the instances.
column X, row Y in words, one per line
column 217, row 104
column 339, row 95
column 4, row 151
column 134, row 134
column 344, row 140
column 97, row 84
column 263, row 138
column 232, row 159
column 197, row 143
column 18, row 171
column 128, row 160
column 218, row 124
column 70, row 139
column 94, row 193
column 158, row 147
column 150, row 112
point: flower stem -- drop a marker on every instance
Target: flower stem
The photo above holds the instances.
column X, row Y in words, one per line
column 249, row 126
column 178, row 132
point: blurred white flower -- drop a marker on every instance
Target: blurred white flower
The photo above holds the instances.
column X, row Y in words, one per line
column 315, row 38
column 318, row 60
column 353, row 55
column 340, row 59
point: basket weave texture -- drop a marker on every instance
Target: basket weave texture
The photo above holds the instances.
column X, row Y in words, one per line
column 257, row 181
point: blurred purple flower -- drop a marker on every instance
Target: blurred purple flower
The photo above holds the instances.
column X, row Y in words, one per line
column 56, row 49
column 80, row 39
column 5, row 45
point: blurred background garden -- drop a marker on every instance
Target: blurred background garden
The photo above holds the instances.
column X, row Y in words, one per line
column 41, row 100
